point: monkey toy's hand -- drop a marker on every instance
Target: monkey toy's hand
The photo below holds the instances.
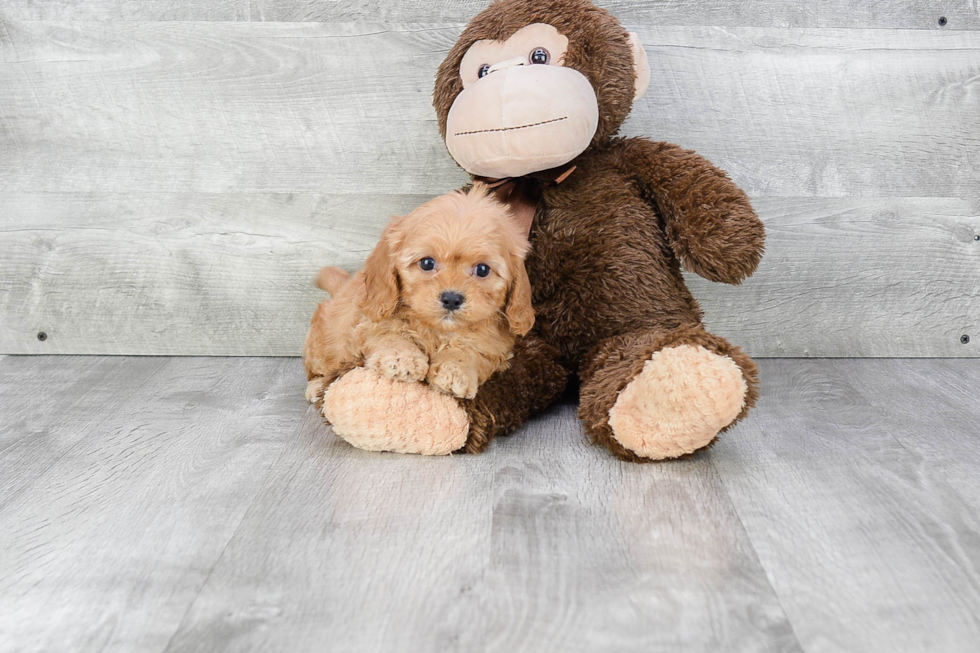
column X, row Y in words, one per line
column 709, row 221
column 378, row 413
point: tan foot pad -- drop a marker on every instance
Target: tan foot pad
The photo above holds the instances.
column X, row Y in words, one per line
column 377, row 413
column 678, row 403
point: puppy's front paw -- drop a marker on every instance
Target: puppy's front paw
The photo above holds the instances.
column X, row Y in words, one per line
column 403, row 364
column 453, row 378
column 314, row 388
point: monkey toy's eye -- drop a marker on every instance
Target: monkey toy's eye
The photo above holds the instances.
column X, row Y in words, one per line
column 481, row 270
column 484, row 69
column 540, row 56
column 428, row 264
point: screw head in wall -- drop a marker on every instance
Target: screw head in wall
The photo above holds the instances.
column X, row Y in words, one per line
column 42, row 336
column 965, row 339
column 942, row 21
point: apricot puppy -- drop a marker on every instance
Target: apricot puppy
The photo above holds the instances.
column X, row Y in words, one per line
column 441, row 298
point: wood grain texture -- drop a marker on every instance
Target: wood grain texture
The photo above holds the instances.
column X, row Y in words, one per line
column 661, row 562
column 856, row 277
column 34, row 439
column 960, row 14
column 221, row 107
column 344, row 108
column 200, row 505
column 150, row 467
column 222, row 274
column 848, row 485
column 502, row 552
column 174, row 273
column 352, row 551
column 938, row 425
column 125, row 10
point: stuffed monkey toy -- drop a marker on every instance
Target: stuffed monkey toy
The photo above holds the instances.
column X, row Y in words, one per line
column 530, row 99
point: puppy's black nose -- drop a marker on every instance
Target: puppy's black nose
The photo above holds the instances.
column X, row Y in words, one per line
column 451, row 300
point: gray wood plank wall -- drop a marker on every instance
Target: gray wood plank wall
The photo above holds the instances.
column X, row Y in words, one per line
column 172, row 174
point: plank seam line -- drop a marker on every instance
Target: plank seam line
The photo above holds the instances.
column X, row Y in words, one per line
column 755, row 553
column 217, row 561
column 126, row 397
column 224, row 549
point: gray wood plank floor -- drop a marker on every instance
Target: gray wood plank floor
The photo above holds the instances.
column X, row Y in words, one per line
column 197, row 504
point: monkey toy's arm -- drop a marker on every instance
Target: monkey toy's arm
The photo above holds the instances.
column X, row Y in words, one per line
column 708, row 219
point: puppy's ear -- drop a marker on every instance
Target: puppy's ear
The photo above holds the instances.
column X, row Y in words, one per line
column 519, row 311
column 380, row 279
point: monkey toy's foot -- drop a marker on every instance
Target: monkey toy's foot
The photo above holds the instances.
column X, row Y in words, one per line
column 377, row 413
column 679, row 401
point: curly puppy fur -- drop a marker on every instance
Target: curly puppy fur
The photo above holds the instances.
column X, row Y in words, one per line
column 393, row 316
column 608, row 244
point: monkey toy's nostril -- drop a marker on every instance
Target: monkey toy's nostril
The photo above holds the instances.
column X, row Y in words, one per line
column 451, row 300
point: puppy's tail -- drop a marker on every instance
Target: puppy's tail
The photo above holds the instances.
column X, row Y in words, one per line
column 332, row 279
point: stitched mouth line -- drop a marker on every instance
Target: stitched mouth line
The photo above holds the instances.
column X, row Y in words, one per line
column 507, row 129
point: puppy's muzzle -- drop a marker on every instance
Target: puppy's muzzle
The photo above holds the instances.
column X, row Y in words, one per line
column 451, row 300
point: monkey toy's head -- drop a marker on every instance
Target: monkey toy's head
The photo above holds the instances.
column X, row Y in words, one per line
column 530, row 85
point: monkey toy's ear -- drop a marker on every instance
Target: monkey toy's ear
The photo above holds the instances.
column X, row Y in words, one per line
column 641, row 67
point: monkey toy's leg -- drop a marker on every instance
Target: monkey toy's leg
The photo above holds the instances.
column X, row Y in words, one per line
column 664, row 393
column 381, row 414
column 509, row 398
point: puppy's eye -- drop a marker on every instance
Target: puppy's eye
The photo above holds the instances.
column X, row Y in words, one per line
column 484, row 69
column 540, row 56
column 428, row 263
column 481, row 270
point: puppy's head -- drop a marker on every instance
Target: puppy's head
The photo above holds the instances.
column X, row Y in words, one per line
column 454, row 261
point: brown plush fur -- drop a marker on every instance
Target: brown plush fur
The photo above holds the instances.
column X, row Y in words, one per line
column 607, row 245
column 389, row 317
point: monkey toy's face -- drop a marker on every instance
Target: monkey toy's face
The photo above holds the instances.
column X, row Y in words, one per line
column 521, row 109
column 525, row 103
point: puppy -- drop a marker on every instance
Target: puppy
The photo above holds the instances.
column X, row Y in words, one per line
column 441, row 298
